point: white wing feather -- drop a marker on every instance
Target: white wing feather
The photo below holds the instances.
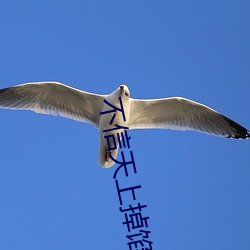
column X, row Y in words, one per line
column 54, row 98
column 182, row 114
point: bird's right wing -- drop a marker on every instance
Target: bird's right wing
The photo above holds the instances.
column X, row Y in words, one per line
column 54, row 98
column 182, row 114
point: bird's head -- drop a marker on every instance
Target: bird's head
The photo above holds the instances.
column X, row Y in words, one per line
column 124, row 91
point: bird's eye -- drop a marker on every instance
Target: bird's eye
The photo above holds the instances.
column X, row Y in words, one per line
column 126, row 93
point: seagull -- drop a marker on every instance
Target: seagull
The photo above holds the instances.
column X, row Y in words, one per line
column 175, row 113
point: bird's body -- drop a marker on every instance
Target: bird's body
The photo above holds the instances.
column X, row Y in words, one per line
column 104, row 124
column 167, row 113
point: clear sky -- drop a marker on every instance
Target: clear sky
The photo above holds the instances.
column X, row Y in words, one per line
column 53, row 195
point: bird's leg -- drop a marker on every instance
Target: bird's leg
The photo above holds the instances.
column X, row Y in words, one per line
column 107, row 155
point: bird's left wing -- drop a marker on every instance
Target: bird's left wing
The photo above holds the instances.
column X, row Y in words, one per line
column 182, row 114
column 54, row 98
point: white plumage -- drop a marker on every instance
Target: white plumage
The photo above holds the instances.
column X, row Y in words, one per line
column 168, row 113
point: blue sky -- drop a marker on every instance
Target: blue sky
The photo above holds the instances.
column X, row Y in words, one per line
column 196, row 187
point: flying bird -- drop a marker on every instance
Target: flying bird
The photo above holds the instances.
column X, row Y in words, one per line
column 167, row 113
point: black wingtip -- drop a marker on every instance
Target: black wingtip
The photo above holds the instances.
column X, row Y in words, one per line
column 239, row 131
column 248, row 134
